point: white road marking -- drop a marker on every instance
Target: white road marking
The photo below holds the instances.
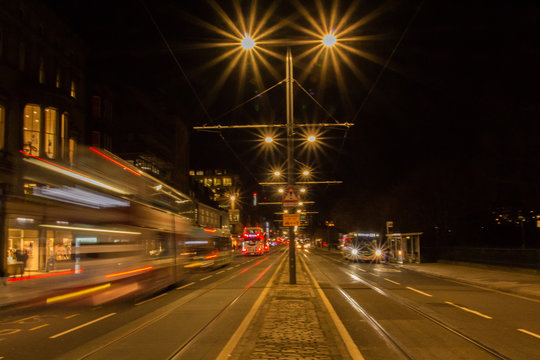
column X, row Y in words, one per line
column 207, row 277
column 345, row 336
column 9, row 331
column 392, row 281
column 418, row 291
column 529, row 333
column 71, row 316
column 185, row 286
column 219, row 272
column 469, row 310
column 154, row 298
column 81, row 326
column 39, row 327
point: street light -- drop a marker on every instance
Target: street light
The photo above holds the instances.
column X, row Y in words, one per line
column 248, row 43
column 311, row 138
column 268, row 139
column 329, row 40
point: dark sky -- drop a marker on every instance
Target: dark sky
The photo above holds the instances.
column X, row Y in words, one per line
column 453, row 115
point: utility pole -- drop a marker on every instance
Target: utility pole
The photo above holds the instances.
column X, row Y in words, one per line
column 290, row 159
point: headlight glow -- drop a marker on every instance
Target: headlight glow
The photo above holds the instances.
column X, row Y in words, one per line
column 354, row 252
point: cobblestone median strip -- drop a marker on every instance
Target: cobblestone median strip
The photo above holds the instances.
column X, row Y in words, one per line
column 292, row 324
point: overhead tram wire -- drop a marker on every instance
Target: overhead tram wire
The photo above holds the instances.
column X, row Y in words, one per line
column 316, row 102
column 375, row 83
column 245, row 102
column 169, row 49
column 379, row 76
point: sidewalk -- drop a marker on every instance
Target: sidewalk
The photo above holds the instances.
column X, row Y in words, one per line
column 293, row 324
column 507, row 280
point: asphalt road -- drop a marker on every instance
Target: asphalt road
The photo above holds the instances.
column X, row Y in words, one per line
column 396, row 313
column 197, row 317
column 389, row 312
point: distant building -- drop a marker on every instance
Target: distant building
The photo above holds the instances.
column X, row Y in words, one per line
column 222, row 187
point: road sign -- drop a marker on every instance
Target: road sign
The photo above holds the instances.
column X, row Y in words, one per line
column 290, row 198
column 291, row 219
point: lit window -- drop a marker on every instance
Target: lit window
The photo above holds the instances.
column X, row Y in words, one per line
column 227, row 181
column 58, row 79
column 63, row 134
column 2, row 126
column 50, row 133
column 32, row 129
column 72, row 149
column 73, row 91
column 41, row 71
column 191, row 173
column 200, row 172
column 208, row 182
column 217, row 181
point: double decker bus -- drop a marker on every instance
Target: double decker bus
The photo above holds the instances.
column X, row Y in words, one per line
column 253, row 241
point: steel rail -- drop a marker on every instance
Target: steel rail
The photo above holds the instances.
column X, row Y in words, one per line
column 420, row 312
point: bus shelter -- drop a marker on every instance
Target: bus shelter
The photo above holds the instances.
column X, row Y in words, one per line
column 403, row 247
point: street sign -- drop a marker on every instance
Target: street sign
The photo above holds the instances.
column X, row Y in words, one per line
column 290, row 198
column 291, row 219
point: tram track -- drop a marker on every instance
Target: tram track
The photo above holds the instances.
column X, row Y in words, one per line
column 183, row 302
column 391, row 340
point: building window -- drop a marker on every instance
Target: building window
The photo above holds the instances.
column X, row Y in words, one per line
column 96, row 107
column 22, row 57
column 41, row 71
column 63, row 134
column 58, row 79
column 1, row 43
column 217, row 181
column 73, row 91
column 191, row 173
column 227, row 181
column 208, row 182
column 72, row 149
column 200, row 173
column 32, row 129
column 2, row 127
column 50, row 132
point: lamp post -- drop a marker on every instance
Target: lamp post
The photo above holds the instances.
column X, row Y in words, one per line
column 248, row 44
column 290, row 158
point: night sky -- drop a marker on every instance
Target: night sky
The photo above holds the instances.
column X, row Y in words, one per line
column 446, row 132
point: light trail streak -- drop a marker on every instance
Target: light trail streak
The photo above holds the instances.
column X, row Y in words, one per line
column 129, row 272
column 45, row 275
column 77, row 293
